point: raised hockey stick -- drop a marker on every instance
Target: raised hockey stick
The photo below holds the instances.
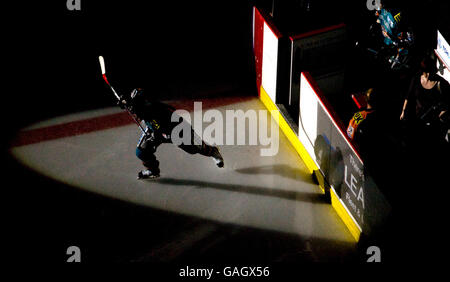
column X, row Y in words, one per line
column 102, row 66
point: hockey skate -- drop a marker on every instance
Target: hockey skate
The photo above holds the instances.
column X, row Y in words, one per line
column 147, row 174
column 217, row 157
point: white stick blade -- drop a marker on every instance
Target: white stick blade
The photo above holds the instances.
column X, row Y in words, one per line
column 102, row 64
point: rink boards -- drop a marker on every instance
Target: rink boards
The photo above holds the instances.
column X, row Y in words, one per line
column 310, row 124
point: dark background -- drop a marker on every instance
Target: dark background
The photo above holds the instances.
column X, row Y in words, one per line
column 171, row 48
column 176, row 49
column 162, row 46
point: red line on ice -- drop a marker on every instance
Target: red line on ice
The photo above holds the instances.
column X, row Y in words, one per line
column 79, row 127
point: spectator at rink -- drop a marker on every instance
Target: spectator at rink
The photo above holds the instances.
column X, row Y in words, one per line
column 425, row 107
column 365, row 130
column 389, row 22
column 364, row 120
column 396, row 34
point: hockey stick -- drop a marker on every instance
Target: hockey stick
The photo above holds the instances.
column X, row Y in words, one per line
column 102, row 66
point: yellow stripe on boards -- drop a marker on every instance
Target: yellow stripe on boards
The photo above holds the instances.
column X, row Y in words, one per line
column 288, row 132
column 310, row 164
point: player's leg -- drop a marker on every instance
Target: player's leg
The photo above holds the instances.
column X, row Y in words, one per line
column 145, row 151
column 203, row 149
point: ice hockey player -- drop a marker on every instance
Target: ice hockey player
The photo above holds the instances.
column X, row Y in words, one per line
column 157, row 118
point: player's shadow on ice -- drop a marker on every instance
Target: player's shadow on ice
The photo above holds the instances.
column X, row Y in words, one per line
column 255, row 190
column 282, row 170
